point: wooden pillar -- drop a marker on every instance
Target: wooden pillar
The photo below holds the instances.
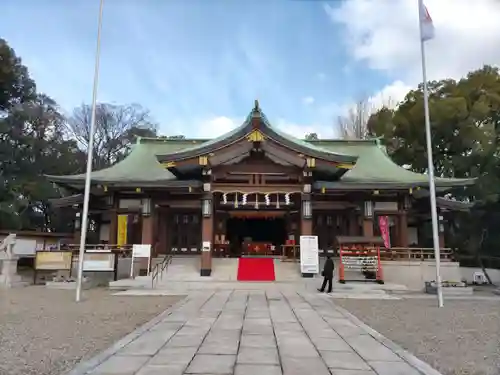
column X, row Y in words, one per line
column 368, row 219
column 161, row 230
column 306, row 227
column 441, row 230
column 147, row 230
column 113, row 227
column 306, row 222
column 353, row 223
column 147, row 236
column 77, row 227
column 403, row 229
column 306, row 219
column 442, row 244
column 207, row 235
column 113, row 220
column 368, row 227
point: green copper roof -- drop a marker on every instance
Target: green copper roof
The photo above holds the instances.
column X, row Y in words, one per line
column 375, row 167
column 140, row 167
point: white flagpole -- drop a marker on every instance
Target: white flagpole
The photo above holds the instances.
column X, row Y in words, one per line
column 430, row 167
column 90, row 152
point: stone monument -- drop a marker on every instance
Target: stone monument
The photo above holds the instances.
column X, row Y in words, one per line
column 8, row 272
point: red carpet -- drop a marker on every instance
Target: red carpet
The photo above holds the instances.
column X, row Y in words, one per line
column 256, row 269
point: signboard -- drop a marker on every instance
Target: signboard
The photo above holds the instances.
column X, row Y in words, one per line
column 99, row 261
column 383, row 222
column 206, row 245
column 25, row 247
column 121, row 237
column 140, row 251
column 309, row 254
column 53, row 260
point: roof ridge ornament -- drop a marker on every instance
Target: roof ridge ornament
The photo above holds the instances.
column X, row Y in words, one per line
column 256, row 113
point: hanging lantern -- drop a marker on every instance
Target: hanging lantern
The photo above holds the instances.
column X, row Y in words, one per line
column 146, row 206
column 368, row 209
column 206, row 207
column 407, row 202
column 306, row 209
column 78, row 220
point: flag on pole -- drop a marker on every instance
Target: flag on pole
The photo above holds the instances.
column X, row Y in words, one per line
column 426, row 24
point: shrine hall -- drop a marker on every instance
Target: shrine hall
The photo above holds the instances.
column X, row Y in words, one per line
column 253, row 192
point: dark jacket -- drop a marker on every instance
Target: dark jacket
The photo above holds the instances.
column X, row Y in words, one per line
column 328, row 268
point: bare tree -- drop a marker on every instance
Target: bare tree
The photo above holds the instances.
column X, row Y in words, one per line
column 354, row 125
column 116, row 128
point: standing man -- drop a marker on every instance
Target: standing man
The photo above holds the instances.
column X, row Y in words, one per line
column 327, row 274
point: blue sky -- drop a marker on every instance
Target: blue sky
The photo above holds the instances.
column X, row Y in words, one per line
column 198, row 65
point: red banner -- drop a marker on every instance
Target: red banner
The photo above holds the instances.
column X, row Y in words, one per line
column 383, row 222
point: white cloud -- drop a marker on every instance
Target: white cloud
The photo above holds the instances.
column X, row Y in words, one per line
column 384, row 35
column 308, row 100
column 390, row 95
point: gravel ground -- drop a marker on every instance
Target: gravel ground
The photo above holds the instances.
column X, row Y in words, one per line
column 44, row 332
column 462, row 338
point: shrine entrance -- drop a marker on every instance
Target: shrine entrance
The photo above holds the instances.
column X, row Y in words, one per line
column 257, row 233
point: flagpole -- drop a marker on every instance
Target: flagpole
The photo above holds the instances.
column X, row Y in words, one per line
column 90, row 152
column 430, row 167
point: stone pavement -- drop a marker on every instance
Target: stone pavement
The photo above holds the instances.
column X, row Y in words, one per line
column 245, row 332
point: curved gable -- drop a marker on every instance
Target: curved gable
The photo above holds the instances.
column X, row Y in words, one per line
column 256, row 121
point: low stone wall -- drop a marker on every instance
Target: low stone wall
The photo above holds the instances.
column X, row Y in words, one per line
column 468, row 273
column 459, row 289
column 414, row 274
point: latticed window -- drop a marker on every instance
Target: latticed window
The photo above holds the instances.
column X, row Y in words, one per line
column 184, row 234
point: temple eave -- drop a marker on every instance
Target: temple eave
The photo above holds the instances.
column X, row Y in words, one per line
column 126, row 183
column 441, row 185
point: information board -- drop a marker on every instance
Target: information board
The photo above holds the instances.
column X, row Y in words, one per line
column 99, row 261
column 53, row 260
column 25, row 247
column 309, row 254
column 140, row 251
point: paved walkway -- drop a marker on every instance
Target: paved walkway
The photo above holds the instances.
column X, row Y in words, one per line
column 254, row 333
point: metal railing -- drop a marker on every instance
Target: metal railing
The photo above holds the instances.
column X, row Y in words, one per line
column 159, row 269
column 415, row 254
